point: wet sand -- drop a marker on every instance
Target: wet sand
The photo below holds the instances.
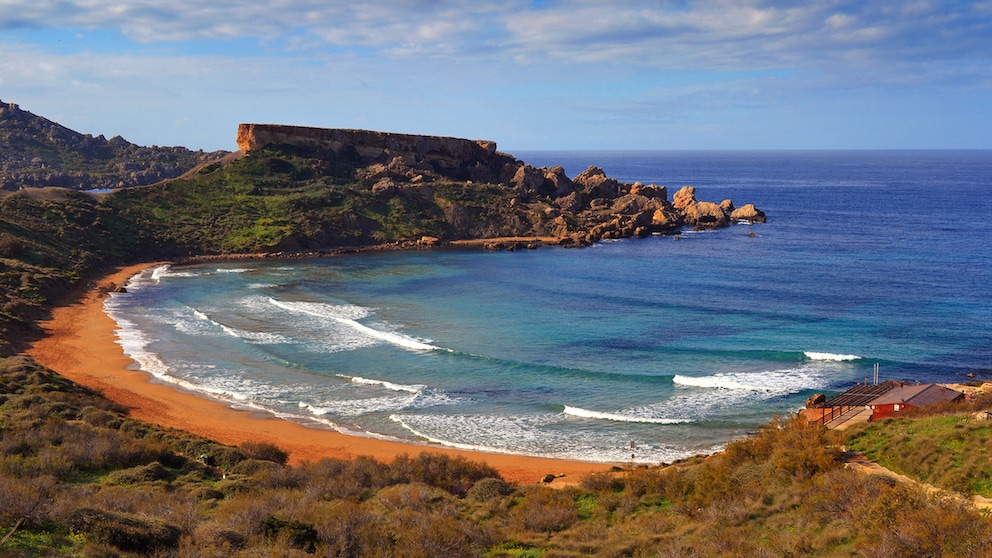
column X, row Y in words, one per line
column 80, row 344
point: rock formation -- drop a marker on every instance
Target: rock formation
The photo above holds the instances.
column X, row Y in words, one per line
column 579, row 211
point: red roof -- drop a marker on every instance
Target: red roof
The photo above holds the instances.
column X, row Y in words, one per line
column 917, row 396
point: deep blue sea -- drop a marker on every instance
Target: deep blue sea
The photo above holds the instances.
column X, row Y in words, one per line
column 676, row 345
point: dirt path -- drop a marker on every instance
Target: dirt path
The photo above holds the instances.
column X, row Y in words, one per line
column 858, row 462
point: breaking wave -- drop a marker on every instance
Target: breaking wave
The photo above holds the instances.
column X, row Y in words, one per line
column 349, row 315
column 617, row 417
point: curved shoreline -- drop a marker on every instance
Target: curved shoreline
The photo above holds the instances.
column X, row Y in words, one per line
column 80, row 344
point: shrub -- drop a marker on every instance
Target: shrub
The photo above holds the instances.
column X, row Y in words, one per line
column 264, row 451
column 25, row 500
column 602, row 482
column 545, row 510
column 297, row 534
column 423, row 535
column 135, row 475
column 10, row 246
column 124, row 531
column 454, row 474
column 487, row 489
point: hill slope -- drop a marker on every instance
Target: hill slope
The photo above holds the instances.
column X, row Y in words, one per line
column 35, row 151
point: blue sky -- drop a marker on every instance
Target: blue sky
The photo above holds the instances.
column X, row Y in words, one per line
column 867, row 74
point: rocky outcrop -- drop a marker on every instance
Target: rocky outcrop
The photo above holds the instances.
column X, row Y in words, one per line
column 542, row 201
column 748, row 213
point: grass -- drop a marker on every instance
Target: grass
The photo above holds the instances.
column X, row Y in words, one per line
column 950, row 451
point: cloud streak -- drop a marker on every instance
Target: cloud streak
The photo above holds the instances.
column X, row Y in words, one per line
column 570, row 60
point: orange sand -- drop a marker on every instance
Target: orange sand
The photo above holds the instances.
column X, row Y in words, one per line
column 80, row 345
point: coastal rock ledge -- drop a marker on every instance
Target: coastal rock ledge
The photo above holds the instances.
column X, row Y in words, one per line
column 543, row 202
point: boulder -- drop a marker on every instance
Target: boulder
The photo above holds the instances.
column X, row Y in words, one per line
column 705, row 215
column 815, row 399
column 594, row 182
column 562, row 184
column 665, row 219
column 573, row 202
column 685, row 197
column 652, row 191
column 384, row 187
column 748, row 213
column 528, row 179
column 633, row 203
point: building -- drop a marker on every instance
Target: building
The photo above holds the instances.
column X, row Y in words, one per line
column 903, row 397
column 865, row 402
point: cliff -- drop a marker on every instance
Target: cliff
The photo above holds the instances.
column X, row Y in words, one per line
column 440, row 153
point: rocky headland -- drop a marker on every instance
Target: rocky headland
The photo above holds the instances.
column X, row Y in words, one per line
column 544, row 202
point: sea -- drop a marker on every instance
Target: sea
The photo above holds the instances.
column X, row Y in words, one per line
column 631, row 351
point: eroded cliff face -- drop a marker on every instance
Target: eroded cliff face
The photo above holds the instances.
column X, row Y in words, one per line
column 373, row 146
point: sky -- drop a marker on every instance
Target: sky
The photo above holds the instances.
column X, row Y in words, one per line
column 531, row 75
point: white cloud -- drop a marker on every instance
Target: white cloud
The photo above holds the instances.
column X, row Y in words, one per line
column 459, row 68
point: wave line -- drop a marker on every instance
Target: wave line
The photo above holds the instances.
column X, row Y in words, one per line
column 829, row 356
column 397, row 339
column 585, row 413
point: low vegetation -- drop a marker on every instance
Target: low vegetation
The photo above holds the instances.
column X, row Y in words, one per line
column 80, row 478
column 946, row 446
column 294, row 199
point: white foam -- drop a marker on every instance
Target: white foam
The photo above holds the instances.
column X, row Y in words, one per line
column 772, row 381
column 135, row 344
column 234, row 270
column 829, row 356
column 534, row 435
column 721, row 381
column 413, row 388
column 471, row 447
column 361, row 406
column 165, row 271
column 618, row 417
column 348, row 315
column 254, row 337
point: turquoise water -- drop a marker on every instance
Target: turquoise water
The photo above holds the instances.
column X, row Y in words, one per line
column 675, row 345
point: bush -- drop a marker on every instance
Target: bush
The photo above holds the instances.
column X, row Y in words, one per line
column 264, row 451
column 602, row 482
column 297, row 534
column 25, row 500
column 487, row 489
column 253, row 466
column 135, row 475
column 545, row 510
column 124, row 531
column 454, row 474
column 10, row 246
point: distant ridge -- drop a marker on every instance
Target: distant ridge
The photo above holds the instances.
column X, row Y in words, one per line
column 36, row 152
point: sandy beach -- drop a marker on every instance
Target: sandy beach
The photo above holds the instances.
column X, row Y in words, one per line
column 80, row 344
